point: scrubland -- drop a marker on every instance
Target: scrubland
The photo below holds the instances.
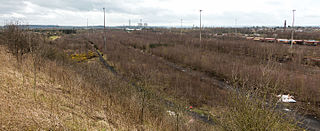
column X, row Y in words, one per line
column 42, row 87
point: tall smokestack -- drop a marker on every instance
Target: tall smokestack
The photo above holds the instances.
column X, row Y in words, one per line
column 285, row 25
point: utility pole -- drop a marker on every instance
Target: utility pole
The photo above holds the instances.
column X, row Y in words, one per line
column 104, row 29
column 235, row 26
column 181, row 28
column 292, row 28
column 88, row 27
column 200, row 25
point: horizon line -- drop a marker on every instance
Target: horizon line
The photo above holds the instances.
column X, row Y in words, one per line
column 244, row 26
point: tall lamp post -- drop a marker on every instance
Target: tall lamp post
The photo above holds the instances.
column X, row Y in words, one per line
column 235, row 26
column 200, row 25
column 104, row 29
column 181, row 28
column 292, row 28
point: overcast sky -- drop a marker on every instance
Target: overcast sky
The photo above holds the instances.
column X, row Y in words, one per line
column 161, row 12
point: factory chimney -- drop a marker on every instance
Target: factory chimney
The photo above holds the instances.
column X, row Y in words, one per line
column 285, row 25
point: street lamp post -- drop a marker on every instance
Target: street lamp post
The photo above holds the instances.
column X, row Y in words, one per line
column 88, row 27
column 200, row 25
column 181, row 28
column 292, row 32
column 104, row 29
column 235, row 26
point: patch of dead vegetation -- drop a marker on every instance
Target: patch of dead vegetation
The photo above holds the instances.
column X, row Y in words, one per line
column 53, row 104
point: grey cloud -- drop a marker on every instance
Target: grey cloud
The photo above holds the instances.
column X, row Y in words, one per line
column 119, row 6
column 243, row 19
column 10, row 6
column 127, row 7
column 47, row 11
column 75, row 5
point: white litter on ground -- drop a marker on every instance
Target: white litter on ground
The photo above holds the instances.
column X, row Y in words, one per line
column 286, row 109
column 171, row 113
column 287, row 98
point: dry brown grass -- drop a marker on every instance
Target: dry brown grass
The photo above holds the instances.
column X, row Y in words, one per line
column 244, row 113
column 240, row 61
column 55, row 105
column 166, row 80
column 74, row 96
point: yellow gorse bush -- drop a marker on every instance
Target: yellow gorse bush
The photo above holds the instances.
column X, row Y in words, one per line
column 83, row 56
column 54, row 37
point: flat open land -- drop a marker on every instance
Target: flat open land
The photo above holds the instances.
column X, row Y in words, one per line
column 157, row 79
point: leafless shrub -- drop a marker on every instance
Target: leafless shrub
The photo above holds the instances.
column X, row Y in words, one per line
column 16, row 40
column 267, row 67
column 247, row 112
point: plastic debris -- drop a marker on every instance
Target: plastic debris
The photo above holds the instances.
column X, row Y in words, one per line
column 286, row 109
column 171, row 113
column 286, row 98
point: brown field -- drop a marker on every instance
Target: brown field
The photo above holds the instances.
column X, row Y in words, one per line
column 169, row 67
